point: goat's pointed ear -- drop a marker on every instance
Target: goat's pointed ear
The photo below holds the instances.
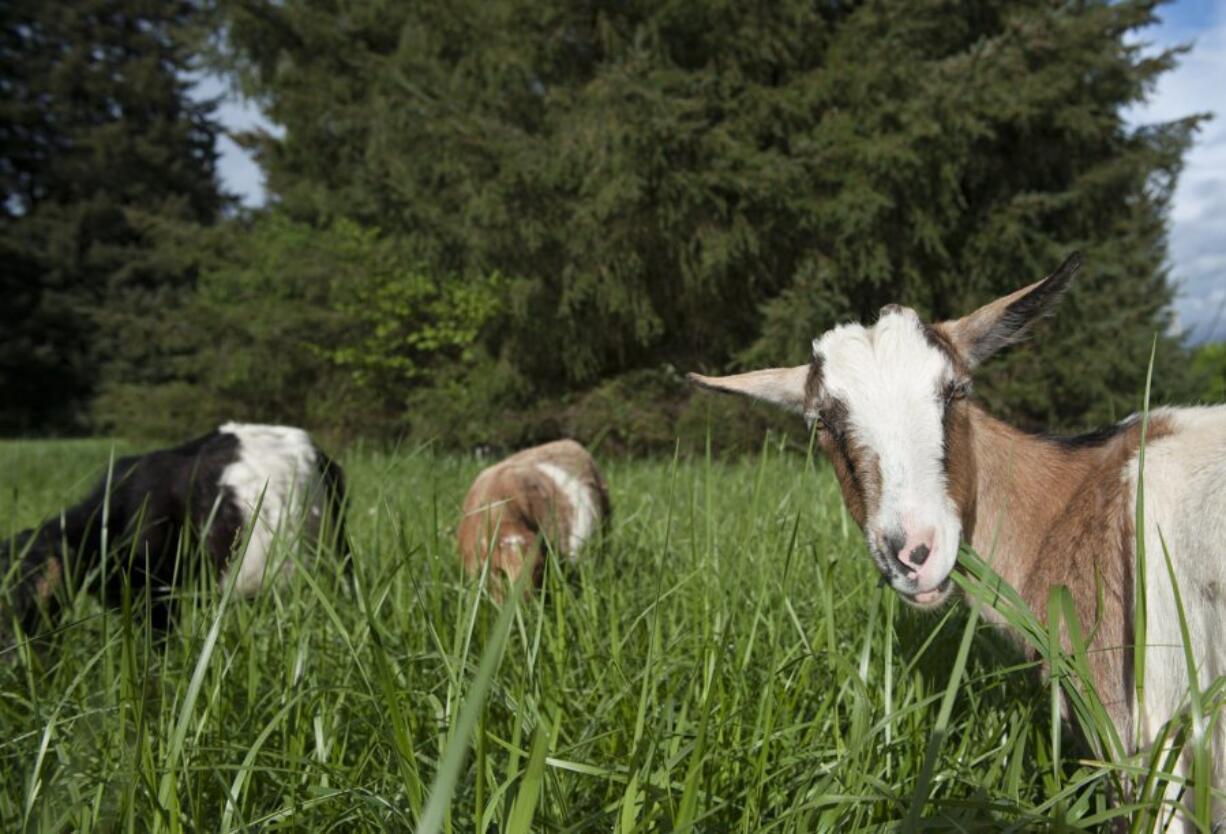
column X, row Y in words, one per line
column 784, row 387
column 1002, row 322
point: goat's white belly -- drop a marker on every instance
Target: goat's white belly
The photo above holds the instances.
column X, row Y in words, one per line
column 275, row 474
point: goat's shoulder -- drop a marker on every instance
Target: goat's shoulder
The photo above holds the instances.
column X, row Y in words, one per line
column 1184, row 480
column 1185, row 451
column 1087, row 543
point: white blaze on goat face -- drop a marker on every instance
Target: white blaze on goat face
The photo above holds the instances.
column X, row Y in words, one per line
column 881, row 400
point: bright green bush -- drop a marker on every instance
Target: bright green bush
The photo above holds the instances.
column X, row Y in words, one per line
column 401, row 319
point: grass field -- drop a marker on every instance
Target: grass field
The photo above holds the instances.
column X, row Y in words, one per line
column 725, row 662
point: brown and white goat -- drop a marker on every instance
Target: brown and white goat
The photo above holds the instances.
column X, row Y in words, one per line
column 923, row 467
column 551, row 493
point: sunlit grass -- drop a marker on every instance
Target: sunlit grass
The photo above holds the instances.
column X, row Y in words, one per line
column 726, row 662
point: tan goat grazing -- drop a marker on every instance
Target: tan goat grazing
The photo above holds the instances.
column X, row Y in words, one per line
column 924, row 467
column 552, row 493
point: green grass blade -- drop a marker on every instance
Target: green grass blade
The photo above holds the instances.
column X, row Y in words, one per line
column 923, row 787
column 522, row 812
column 448, row 774
column 1141, row 605
column 1201, row 739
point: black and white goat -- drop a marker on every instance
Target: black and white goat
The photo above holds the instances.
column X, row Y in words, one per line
column 241, row 481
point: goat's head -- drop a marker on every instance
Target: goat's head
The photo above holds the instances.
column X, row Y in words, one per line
column 888, row 404
column 31, row 576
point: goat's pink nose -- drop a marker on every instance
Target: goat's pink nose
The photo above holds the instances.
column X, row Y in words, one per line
column 913, row 550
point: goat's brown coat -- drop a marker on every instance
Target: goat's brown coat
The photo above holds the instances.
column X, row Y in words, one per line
column 1049, row 513
column 513, row 508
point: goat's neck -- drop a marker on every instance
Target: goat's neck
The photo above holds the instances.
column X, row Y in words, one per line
column 1020, row 486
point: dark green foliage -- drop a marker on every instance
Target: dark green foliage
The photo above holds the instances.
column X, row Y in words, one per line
column 501, row 221
column 328, row 327
column 246, row 335
column 1209, row 368
column 647, row 411
column 100, row 149
column 708, row 184
column 639, row 413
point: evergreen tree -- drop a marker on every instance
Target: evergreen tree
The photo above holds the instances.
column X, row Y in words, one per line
column 705, row 183
column 101, row 147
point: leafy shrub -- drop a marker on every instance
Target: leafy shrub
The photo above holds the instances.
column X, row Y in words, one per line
column 402, row 319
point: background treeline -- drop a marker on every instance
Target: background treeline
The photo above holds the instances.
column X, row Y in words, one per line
column 497, row 221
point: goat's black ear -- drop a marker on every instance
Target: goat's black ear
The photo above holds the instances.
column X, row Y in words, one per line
column 1003, row 321
column 784, row 387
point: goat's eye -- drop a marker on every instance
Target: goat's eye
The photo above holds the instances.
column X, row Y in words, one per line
column 958, row 390
column 817, row 422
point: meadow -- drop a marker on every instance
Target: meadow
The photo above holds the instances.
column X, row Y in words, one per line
column 725, row 660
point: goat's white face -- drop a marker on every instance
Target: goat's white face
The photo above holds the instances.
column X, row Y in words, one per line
column 887, row 403
column 879, row 396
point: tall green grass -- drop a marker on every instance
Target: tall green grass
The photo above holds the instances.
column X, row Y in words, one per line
column 725, row 661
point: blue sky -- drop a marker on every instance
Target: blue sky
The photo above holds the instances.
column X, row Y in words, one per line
column 240, row 175
column 1198, row 216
